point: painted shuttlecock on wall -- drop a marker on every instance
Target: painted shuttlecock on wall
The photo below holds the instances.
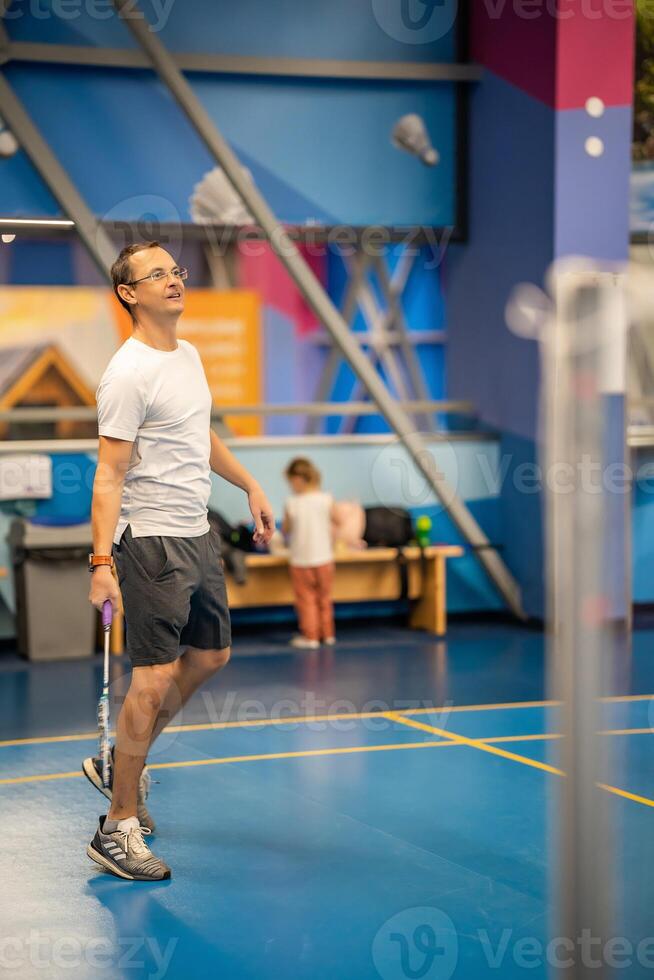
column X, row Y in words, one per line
column 215, row 202
column 8, row 142
column 410, row 134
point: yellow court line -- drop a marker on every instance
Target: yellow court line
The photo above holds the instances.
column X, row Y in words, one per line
column 307, row 753
column 628, row 731
column 286, row 720
column 446, row 709
column 50, row 739
column 545, row 737
column 42, row 778
column 627, row 697
column 342, row 716
column 447, row 740
column 473, row 743
column 201, row 727
column 485, row 747
column 628, row 796
column 550, row 736
column 442, row 743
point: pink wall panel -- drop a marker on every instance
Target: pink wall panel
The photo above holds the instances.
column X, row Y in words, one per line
column 586, row 49
column 260, row 269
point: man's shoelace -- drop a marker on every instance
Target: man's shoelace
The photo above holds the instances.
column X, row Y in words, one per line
column 133, row 842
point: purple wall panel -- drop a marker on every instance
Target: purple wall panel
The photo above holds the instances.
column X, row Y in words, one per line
column 511, row 241
column 592, row 217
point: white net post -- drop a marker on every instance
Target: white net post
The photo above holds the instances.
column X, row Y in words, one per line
column 583, row 348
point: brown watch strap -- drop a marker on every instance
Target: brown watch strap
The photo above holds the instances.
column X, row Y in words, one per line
column 96, row 560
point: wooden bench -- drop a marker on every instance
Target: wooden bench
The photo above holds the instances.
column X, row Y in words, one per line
column 372, row 574
column 361, row 576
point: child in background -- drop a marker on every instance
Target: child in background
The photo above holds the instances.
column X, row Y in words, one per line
column 308, row 518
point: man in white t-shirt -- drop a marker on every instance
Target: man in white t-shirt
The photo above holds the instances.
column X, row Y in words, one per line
column 150, row 497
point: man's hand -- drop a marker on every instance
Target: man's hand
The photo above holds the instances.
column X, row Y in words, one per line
column 264, row 522
column 103, row 587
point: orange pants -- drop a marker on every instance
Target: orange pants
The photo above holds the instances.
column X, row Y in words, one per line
column 313, row 600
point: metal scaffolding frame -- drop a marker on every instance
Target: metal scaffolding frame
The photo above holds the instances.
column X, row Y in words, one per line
column 99, row 246
column 391, row 346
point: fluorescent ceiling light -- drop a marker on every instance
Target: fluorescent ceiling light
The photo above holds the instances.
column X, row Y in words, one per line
column 37, row 222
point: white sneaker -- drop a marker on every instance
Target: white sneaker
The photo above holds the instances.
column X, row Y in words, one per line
column 304, row 643
column 126, row 854
column 329, row 641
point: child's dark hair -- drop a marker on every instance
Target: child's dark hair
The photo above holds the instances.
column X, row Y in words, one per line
column 305, row 470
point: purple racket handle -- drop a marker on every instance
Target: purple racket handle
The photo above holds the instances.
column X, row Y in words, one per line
column 107, row 614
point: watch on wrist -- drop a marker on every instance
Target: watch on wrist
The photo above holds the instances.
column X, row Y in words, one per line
column 95, row 561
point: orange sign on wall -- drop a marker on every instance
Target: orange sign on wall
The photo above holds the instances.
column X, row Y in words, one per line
column 225, row 327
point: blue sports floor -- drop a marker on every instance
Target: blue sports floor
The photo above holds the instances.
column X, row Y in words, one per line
column 393, row 824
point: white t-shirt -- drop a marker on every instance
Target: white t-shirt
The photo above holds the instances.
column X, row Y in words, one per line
column 310, row 540
column 160, row 400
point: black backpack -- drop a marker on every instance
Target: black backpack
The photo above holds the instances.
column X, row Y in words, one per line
column 240, row 537
column 388, row 527
column 232, row 545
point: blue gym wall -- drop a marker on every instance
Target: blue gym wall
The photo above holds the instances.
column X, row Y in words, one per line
column 533, row 195
column 280, row 28
column 318, row 148
column 511, row 232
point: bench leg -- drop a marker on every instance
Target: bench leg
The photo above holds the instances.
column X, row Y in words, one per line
column 430, row 611
column 441, row 598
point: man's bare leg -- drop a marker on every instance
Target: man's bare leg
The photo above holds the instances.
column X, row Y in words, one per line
column 188, row 673
column 154, row 697
column 136, row 722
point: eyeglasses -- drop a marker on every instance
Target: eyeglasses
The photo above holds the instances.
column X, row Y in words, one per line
column 159, row 274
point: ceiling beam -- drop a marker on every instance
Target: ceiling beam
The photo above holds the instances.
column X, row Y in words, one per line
column 222, row 64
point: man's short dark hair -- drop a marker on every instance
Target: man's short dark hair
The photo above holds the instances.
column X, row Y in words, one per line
column 121, row 270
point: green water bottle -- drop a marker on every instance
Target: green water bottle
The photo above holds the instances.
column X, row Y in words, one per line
column 423, row 530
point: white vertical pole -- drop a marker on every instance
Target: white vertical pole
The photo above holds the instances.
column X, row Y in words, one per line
column 583, row 350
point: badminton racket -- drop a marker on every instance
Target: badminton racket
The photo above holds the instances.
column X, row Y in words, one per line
column 103, row 703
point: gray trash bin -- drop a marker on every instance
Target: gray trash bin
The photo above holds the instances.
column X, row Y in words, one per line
column 54, row 618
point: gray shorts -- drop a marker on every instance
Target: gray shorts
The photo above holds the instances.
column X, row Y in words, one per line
column 173, row 594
